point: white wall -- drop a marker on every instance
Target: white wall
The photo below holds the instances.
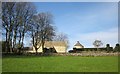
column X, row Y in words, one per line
column 59, row 49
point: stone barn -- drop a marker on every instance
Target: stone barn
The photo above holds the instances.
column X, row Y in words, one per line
column 53, row 47
column 78, row 47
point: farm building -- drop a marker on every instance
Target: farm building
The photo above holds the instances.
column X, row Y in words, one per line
column 78, row 45
column 53, row 46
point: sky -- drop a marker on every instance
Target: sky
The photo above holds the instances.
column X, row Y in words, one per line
column 60, row 0
column 84, row 21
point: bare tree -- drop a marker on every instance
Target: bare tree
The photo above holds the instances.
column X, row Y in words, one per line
column 8, row 21
column 97, row 43
column 47, row 31
column 15, row 19
column 62, row 37
column 35, row 29
column 42, row 30
column 27, row 12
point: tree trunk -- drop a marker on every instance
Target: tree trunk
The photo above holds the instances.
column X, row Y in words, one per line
column 19, row 51
column 19, row 37
column 36, row 50
column 8, row 40
column 6, row 48
column 11, row 44
column 23, row 34
column 20, row 41
column 43, row 45
column 14, row 39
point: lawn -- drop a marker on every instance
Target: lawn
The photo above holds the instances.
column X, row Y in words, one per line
column 59, row 64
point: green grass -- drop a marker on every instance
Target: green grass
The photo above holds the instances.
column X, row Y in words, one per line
column 59, row 64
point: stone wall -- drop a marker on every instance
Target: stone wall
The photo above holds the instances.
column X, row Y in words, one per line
column 85, row 53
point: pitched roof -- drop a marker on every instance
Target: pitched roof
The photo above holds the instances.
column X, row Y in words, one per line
column 78, row 44
column 55, row 43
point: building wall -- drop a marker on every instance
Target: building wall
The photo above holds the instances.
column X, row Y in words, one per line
column 78, row 47
column 31, row 51
column 59, row 49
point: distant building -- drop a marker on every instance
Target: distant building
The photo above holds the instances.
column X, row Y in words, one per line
column 53, row 46
column 78, row 45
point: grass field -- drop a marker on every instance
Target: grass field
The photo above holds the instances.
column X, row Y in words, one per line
column 59, row 64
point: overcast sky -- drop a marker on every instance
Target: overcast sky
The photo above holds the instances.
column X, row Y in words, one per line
column 84, row 21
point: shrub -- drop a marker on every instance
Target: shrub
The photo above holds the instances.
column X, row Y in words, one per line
column 117, row 48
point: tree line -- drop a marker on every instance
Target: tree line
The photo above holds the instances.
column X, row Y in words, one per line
column 20, row 19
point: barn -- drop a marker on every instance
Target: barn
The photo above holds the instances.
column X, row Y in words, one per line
column 53, row 46
column 78, row 47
